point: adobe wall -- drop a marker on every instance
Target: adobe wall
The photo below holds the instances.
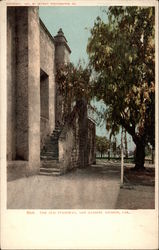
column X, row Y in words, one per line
column 62, row 54
column 30, row 48
column 83, row 133
column 77, row 140
column 22, row 119
column 69, row 144
column 47, row 64
column 34, row 88
column 23, row 83
column 32, row 58
column 11, row 90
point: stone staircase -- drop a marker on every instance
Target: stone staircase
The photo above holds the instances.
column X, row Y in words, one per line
column 50, row 155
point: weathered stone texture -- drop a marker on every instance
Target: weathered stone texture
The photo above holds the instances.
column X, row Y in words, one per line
column 28, row 86
column 34, row 89
column 11, row 89
column 22, row 147
column 44, row 106
column 77, row 140
column 47, row 64
column 62, row 56
column 34, row 104
column 69, row 143
column 25, row 84
column 83, row 133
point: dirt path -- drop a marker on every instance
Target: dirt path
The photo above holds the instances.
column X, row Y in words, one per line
column 97, row 187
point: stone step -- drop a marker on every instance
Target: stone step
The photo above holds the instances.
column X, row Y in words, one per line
column 50, row 152
column 50, row 170
column 53, row 163
column 54, row 138
column 55, row 132
column 44, row 156
column 50, row 174
column 50, row 148
column 49, row 158
column 52, row 144
column 50, row 166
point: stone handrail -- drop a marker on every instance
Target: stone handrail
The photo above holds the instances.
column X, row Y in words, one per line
column 67, row 142
column 68, row 122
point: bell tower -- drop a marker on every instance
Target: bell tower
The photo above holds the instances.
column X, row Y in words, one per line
column 62, row 57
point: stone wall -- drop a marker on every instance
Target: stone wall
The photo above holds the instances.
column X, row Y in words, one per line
column 29, row 48
column 77, row 140
column 83, row 133
column 34, row 89
column 44, row 107
column 69, row 157
column 23, row 87
column 47, row 65
column 34, row 106
column 22, row 119
column 11, row 86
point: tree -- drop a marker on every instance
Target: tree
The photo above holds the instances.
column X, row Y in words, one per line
column 114, row 147
column 74, row 84
column 102, row 145
column 122, row 53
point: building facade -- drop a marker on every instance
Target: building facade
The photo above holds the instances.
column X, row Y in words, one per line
column 37, row 140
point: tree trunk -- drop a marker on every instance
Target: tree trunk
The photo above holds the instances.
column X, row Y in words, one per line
column 108, row 155
column 140, row 155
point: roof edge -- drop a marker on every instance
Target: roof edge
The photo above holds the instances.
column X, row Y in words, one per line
column 47, row 31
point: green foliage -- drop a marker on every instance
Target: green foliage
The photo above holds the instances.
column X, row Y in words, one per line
column 102, row 144
column 122, row 53
column 74, row 83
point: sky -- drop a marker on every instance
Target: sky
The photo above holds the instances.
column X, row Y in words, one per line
column 76, row 23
